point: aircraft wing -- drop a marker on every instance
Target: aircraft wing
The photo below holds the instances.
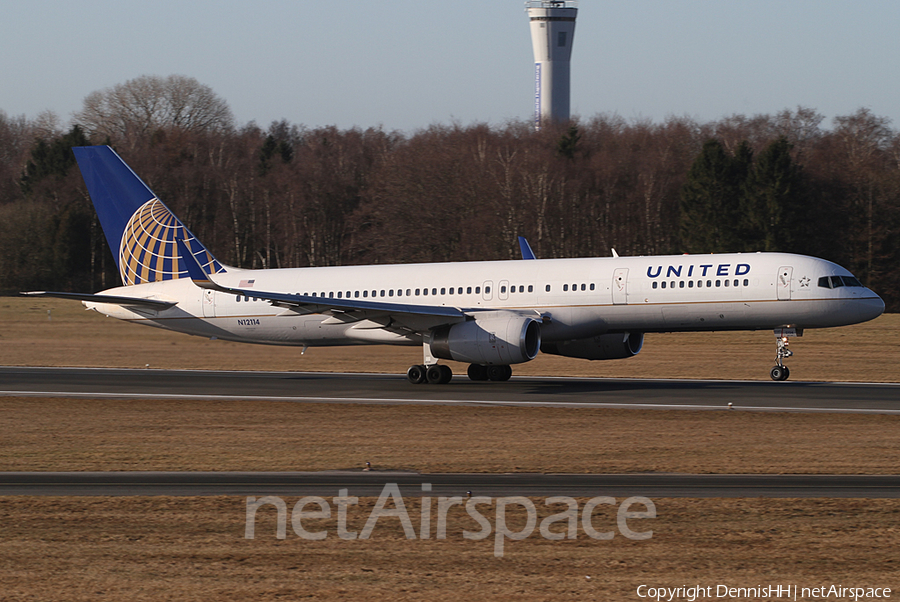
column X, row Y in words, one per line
column 156, row 304
column 415, row 317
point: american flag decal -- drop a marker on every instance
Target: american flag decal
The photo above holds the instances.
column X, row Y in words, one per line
column 246, row 283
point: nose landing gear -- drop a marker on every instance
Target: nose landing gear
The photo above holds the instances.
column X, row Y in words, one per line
column 780, row 371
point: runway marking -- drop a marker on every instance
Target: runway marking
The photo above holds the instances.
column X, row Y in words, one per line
column 478, row 402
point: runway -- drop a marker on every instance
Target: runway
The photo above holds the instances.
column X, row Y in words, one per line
column 371, row 484
column 394, row 389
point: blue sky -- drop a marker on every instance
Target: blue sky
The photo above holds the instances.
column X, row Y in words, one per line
column 407, row 64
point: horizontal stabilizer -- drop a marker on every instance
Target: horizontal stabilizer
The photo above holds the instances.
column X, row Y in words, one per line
column 113, row 299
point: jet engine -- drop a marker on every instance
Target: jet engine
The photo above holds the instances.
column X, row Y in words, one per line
column 491, row 340
column 604, row 347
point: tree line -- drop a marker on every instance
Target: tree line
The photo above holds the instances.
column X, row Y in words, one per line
column 288, row 195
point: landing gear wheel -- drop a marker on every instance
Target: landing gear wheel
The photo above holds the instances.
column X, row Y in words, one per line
column 416, row 374
column 499, row 373
column 438, row 374
column 779, row 373
column 477, row 372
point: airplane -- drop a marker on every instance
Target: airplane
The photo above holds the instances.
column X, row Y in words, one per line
column 489, row 314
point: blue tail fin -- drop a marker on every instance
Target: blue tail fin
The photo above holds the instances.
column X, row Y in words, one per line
column 141, row 231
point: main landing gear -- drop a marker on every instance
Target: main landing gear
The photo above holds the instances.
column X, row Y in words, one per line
column 780, row 371
column 439, row 374
column 435, row 374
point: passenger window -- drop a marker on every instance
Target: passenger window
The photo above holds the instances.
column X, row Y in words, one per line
column 737, row 282
column 443, row 291
column 699, row 284
column 418, row 292
column 468, row 290
column 382, row 293
column 654, row 284
column 746, row 282
column 681, row 284
column 690, row 284
column 425, row 292
column 521, row 288
column 391, row 293
column 664, row 284
column 459, row 291
column 477, row 290
column 365, row 293
column 547, row 288
column 340, row 294
column 330, row 295
column 407, row 292
column 487, row 290
column 356, row 294
column 726, row 283
column 836, row 282
column 672, row 284
column 583, row 287
column 592, row 286
column 565, row 288
column 451, row 290
column 502, row 289
column 238, row 298
column 718, row 283
column 530, row 288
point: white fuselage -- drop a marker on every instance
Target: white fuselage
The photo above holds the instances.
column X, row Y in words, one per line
column 575, row 298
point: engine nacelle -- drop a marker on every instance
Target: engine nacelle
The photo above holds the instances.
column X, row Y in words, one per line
column 500, row 340
column 604, row 347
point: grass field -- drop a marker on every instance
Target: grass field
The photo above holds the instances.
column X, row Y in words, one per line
column 138, row 549
column 165, row 548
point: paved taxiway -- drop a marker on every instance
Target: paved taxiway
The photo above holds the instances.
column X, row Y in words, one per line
column 394, row 389
column 371, row 484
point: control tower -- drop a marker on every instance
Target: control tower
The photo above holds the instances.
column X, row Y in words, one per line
column 552, row 34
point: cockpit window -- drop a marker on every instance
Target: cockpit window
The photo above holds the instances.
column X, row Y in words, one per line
column 836, row 282
column 851, row 281
column 824, row 282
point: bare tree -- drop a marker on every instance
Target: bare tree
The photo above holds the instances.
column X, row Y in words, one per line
column 139, row 107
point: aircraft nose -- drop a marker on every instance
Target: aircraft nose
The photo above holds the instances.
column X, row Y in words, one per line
column 870, row 308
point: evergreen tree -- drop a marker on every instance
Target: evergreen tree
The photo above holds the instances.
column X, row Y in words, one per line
column 711, row 199
column 53, row 159
column 568, row 142
column 775, row 200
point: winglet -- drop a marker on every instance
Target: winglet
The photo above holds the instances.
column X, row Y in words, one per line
column 527, row 253
column 193, row 267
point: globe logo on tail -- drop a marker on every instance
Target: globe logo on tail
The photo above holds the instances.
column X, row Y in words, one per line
column 148, row 251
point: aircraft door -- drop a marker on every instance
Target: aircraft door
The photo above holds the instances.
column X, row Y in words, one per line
column 620, row 286
column 209, row 303
column 486, row 293
column 783, row 283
